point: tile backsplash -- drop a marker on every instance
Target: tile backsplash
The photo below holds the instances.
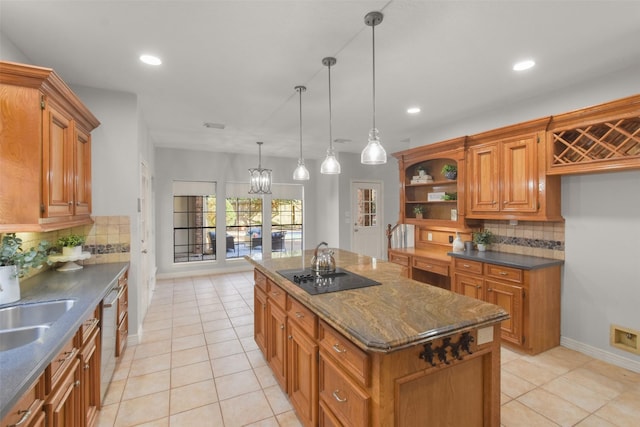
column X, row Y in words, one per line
column 108, row 240
column 541, row 239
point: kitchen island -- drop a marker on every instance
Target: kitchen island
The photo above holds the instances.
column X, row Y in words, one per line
column 402, row 353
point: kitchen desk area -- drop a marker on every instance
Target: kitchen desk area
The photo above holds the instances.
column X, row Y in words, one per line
column 402, row 353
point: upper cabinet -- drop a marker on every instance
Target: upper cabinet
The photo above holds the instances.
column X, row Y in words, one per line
column 595, row 139
column 45, row 175
column 506, row 175
column 428, row 195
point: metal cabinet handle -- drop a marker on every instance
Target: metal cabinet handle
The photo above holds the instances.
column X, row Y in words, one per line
column 290, row 337
column 478, row 287
column 337, row 348
column 466, row 265
column 338, row 398
column 282, row 326
column 25, row 415
column 299, row 315
column 504, row 273
column 76, row 384
column 68, row 355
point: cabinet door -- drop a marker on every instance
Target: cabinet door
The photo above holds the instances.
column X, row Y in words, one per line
column 277, row 343
column 82, row 184
column 57, row 163
column 519, row 175
column 90, row 380
column 510, row 298
column 469, row 286
column 302, row 355
column 62, row 405
column 260, row 319
column 484, row 184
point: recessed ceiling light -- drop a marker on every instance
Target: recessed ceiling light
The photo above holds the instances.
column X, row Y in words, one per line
column 523, row 65
column 150, row 59
column 413, row 110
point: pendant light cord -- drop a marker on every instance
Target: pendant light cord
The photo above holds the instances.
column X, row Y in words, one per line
column 300, row 92
column 330, row 126
column 373, row 34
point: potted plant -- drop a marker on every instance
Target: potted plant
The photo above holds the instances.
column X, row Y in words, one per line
column 418, row 210
column 71, row 245
column 482, row 238
column 450, row 196
column 15, row 262
column 450, row 171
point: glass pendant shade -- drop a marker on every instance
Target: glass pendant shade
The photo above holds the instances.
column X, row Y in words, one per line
column 330, row 165
column 259, row 178
column 301, row 173
column 373, row 153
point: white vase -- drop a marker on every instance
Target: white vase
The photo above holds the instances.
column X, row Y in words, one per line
column 72, row 251
column 458, row 245
column 9, row 284
column 481, row 247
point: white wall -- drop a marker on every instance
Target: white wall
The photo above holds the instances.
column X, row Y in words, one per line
column 10, row 52
column 601, row 275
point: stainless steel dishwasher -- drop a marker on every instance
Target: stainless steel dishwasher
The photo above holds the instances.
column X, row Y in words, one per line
column 109, row 330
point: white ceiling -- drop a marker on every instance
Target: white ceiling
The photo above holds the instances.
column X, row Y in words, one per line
column 237, row 62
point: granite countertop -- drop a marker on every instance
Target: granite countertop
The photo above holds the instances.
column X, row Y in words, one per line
column 423, row 252
column 524, row 262
column 20, row 367
column 397, row 314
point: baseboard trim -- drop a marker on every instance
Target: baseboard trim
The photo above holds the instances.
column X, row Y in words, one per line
column 600, row 354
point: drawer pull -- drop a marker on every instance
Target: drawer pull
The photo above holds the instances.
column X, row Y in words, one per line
column 25, row 416
column 478, row 287
column 299, row 315
column 338, row 398
column 429, row 266
column 466, row 265
column 275, row 294
column 337, row 348
column 68, row 355
column 504, row 273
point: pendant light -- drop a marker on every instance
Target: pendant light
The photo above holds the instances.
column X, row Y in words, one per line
column 301, row 173
column 260, row 179
column 330, row 165
column 373, row 153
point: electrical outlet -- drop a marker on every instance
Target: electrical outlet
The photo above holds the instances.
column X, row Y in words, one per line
column 450, row 239
column 429, row 236
column 625, row 339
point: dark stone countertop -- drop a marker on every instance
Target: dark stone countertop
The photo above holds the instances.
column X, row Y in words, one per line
column 20, row 367
column 397, row 314
column 524, row 262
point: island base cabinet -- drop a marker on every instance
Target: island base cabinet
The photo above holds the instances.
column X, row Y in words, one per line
column 277, row 343
column 302, row 375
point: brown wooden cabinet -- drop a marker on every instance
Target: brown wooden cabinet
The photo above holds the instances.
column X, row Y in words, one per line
column 276, row 333
column 88, row 339
column 600, row 138
column 62, row 387
column 122, row 334
column 531, row 297
column 442, row 199
column 45, row 175
column 506, row 175
column 302, row 361
column 260, row 319
column 27, row 412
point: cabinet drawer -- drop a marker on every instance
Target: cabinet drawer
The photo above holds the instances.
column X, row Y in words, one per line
column 341, row 395
column 468, row 266
column 122, row 335
column 326, row 418
column 89, row 325
column 427, row 264
column 349, row 357
column 123, row 302
column 503, row 273
column 276, row 294
column 260, row 280
column 59, row 365
column 304, row 317
column 27, row 408
column 399, row 259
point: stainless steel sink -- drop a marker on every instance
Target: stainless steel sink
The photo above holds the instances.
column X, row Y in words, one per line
column 13, row 338
column 36, row 314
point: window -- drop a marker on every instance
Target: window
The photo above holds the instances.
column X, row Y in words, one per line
column 244, row 226
column 286, row 227
column 194, row 220
column 367, row 199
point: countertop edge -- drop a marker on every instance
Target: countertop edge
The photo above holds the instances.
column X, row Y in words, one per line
column 524, row 262
column 60, row 333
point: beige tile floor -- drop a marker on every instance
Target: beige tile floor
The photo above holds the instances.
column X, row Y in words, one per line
column 198, row 365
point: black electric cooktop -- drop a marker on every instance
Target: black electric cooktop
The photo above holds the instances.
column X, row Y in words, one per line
column 322, row 283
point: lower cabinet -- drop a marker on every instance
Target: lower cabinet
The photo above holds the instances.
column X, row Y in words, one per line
column 62, row 386
column 531, row 297
column 28, row 411
column 89, row 358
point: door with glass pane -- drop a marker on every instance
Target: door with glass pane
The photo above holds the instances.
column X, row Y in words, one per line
column 366, row 215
